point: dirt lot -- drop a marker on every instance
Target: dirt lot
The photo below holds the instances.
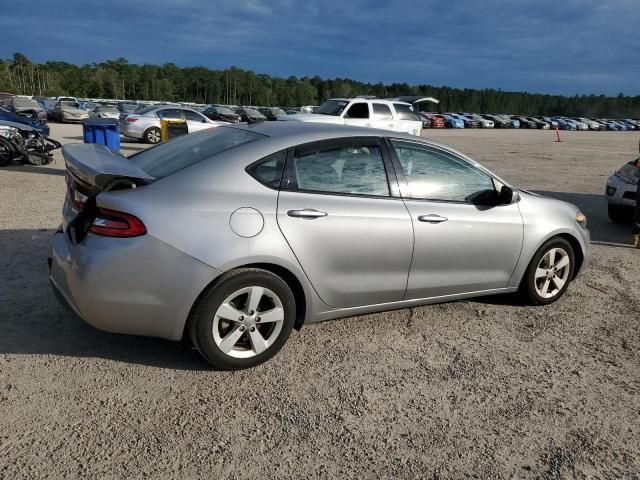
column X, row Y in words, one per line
column 484, row 388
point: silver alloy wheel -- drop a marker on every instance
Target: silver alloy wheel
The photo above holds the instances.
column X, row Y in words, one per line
column 248, row 322
column 153, row 136
column 552, row 272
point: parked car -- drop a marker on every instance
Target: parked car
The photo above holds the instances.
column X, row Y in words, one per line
column 250, row 115
column 540, row 124
column 36, row 123
column 144, row 124
column 6, row 98
column 28, row 107
column 272, row 113
column 451, row 121
column 482, row 122
column 364, row 112
column 221, row 114
column 101, row 111
column 525, row 123
column 468, row 122
column 235, row 236
column 64, row 111
column 552, row 123
column 498, row 121
column 590, row 124
column 565, row 124
column 621, row 192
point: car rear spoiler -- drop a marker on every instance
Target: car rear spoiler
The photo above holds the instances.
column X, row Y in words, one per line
column 99, row 166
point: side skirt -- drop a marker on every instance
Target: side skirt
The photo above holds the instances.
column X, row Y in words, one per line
column 382, row 307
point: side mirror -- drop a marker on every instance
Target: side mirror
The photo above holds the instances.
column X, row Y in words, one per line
column 508, row 195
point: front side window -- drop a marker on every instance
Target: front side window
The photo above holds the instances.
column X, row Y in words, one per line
column 434, row 174
column 170, row 114
column 352, row 170
column 381, row 111
column 358, row 110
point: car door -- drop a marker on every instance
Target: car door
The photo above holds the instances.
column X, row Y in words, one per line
column 344, row 219
column 196, row 121
column 357, row 114
column 382, row 117
column 464, row 241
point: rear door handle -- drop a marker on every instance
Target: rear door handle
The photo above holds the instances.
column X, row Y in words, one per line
column 432, row 218
column 308, row 213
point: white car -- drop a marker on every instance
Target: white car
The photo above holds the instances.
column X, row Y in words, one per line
column 484, row 122
column 364, row 112
column 145, row 124
column 105, row 112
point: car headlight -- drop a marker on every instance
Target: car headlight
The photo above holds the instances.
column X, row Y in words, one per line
column 581, row 219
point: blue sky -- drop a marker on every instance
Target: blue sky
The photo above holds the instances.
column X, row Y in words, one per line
column 548, row 46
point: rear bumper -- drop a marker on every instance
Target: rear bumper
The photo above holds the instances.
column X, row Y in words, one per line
column 136, row 286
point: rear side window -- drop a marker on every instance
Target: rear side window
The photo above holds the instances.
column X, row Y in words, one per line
column 381, row 111
column 405, row 112
column 269, row 170
column 358, row 110
column 167, row 158
column 352, row 170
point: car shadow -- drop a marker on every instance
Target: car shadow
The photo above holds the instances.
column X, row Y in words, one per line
column 603, row 230
column 33, row 322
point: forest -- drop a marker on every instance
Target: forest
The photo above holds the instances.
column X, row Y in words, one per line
column 119, row 79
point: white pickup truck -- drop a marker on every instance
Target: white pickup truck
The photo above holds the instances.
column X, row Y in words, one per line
column 364, row 112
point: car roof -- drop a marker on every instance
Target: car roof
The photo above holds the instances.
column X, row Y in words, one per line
column 295, row 133
column 376, row 100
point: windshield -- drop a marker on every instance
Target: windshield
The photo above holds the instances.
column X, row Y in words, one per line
column 107, row 110
column 167, row 158
column 332, row 107
column 70, row 104
column 630, row 171
column 278, row 111
column 223, row 110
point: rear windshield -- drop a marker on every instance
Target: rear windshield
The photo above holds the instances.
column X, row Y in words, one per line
column 167, row 158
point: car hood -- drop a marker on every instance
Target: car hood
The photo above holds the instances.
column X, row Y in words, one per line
column 77, row 111
column 310, row 117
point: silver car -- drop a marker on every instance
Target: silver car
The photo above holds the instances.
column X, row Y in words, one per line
column 144, row 124
column 621, row 191
column 64, row 111
column 235, row 236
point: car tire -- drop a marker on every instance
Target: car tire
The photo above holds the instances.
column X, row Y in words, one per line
column 7, row 152
column 620, row 213
column 152, row 135
column 548, row 275
column 247, row 339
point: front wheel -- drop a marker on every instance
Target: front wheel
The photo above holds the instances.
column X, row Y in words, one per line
column 152, row 135
column 243, row 320
column 549, row 272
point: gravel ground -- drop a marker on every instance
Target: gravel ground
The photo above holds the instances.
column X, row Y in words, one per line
column 484, row 388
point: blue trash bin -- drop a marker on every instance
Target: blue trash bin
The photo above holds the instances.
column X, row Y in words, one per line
column 103, row 131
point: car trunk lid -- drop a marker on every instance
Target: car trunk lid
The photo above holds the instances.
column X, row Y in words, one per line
column 92, row 169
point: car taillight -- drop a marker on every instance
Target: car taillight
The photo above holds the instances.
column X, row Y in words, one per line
column 131, row 119
column 110, row 223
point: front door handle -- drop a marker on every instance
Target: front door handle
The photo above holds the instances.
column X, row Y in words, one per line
column 308, row 213
column 432, row 218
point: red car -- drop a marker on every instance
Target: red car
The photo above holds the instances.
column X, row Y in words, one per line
column 430, row 120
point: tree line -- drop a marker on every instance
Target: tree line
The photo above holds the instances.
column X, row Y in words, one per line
column 119, row 79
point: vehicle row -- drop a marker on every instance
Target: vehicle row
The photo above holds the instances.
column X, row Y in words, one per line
column 475, row 120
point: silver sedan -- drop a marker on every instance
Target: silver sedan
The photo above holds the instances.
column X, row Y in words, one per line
column 237, row 235
column 621, row 191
